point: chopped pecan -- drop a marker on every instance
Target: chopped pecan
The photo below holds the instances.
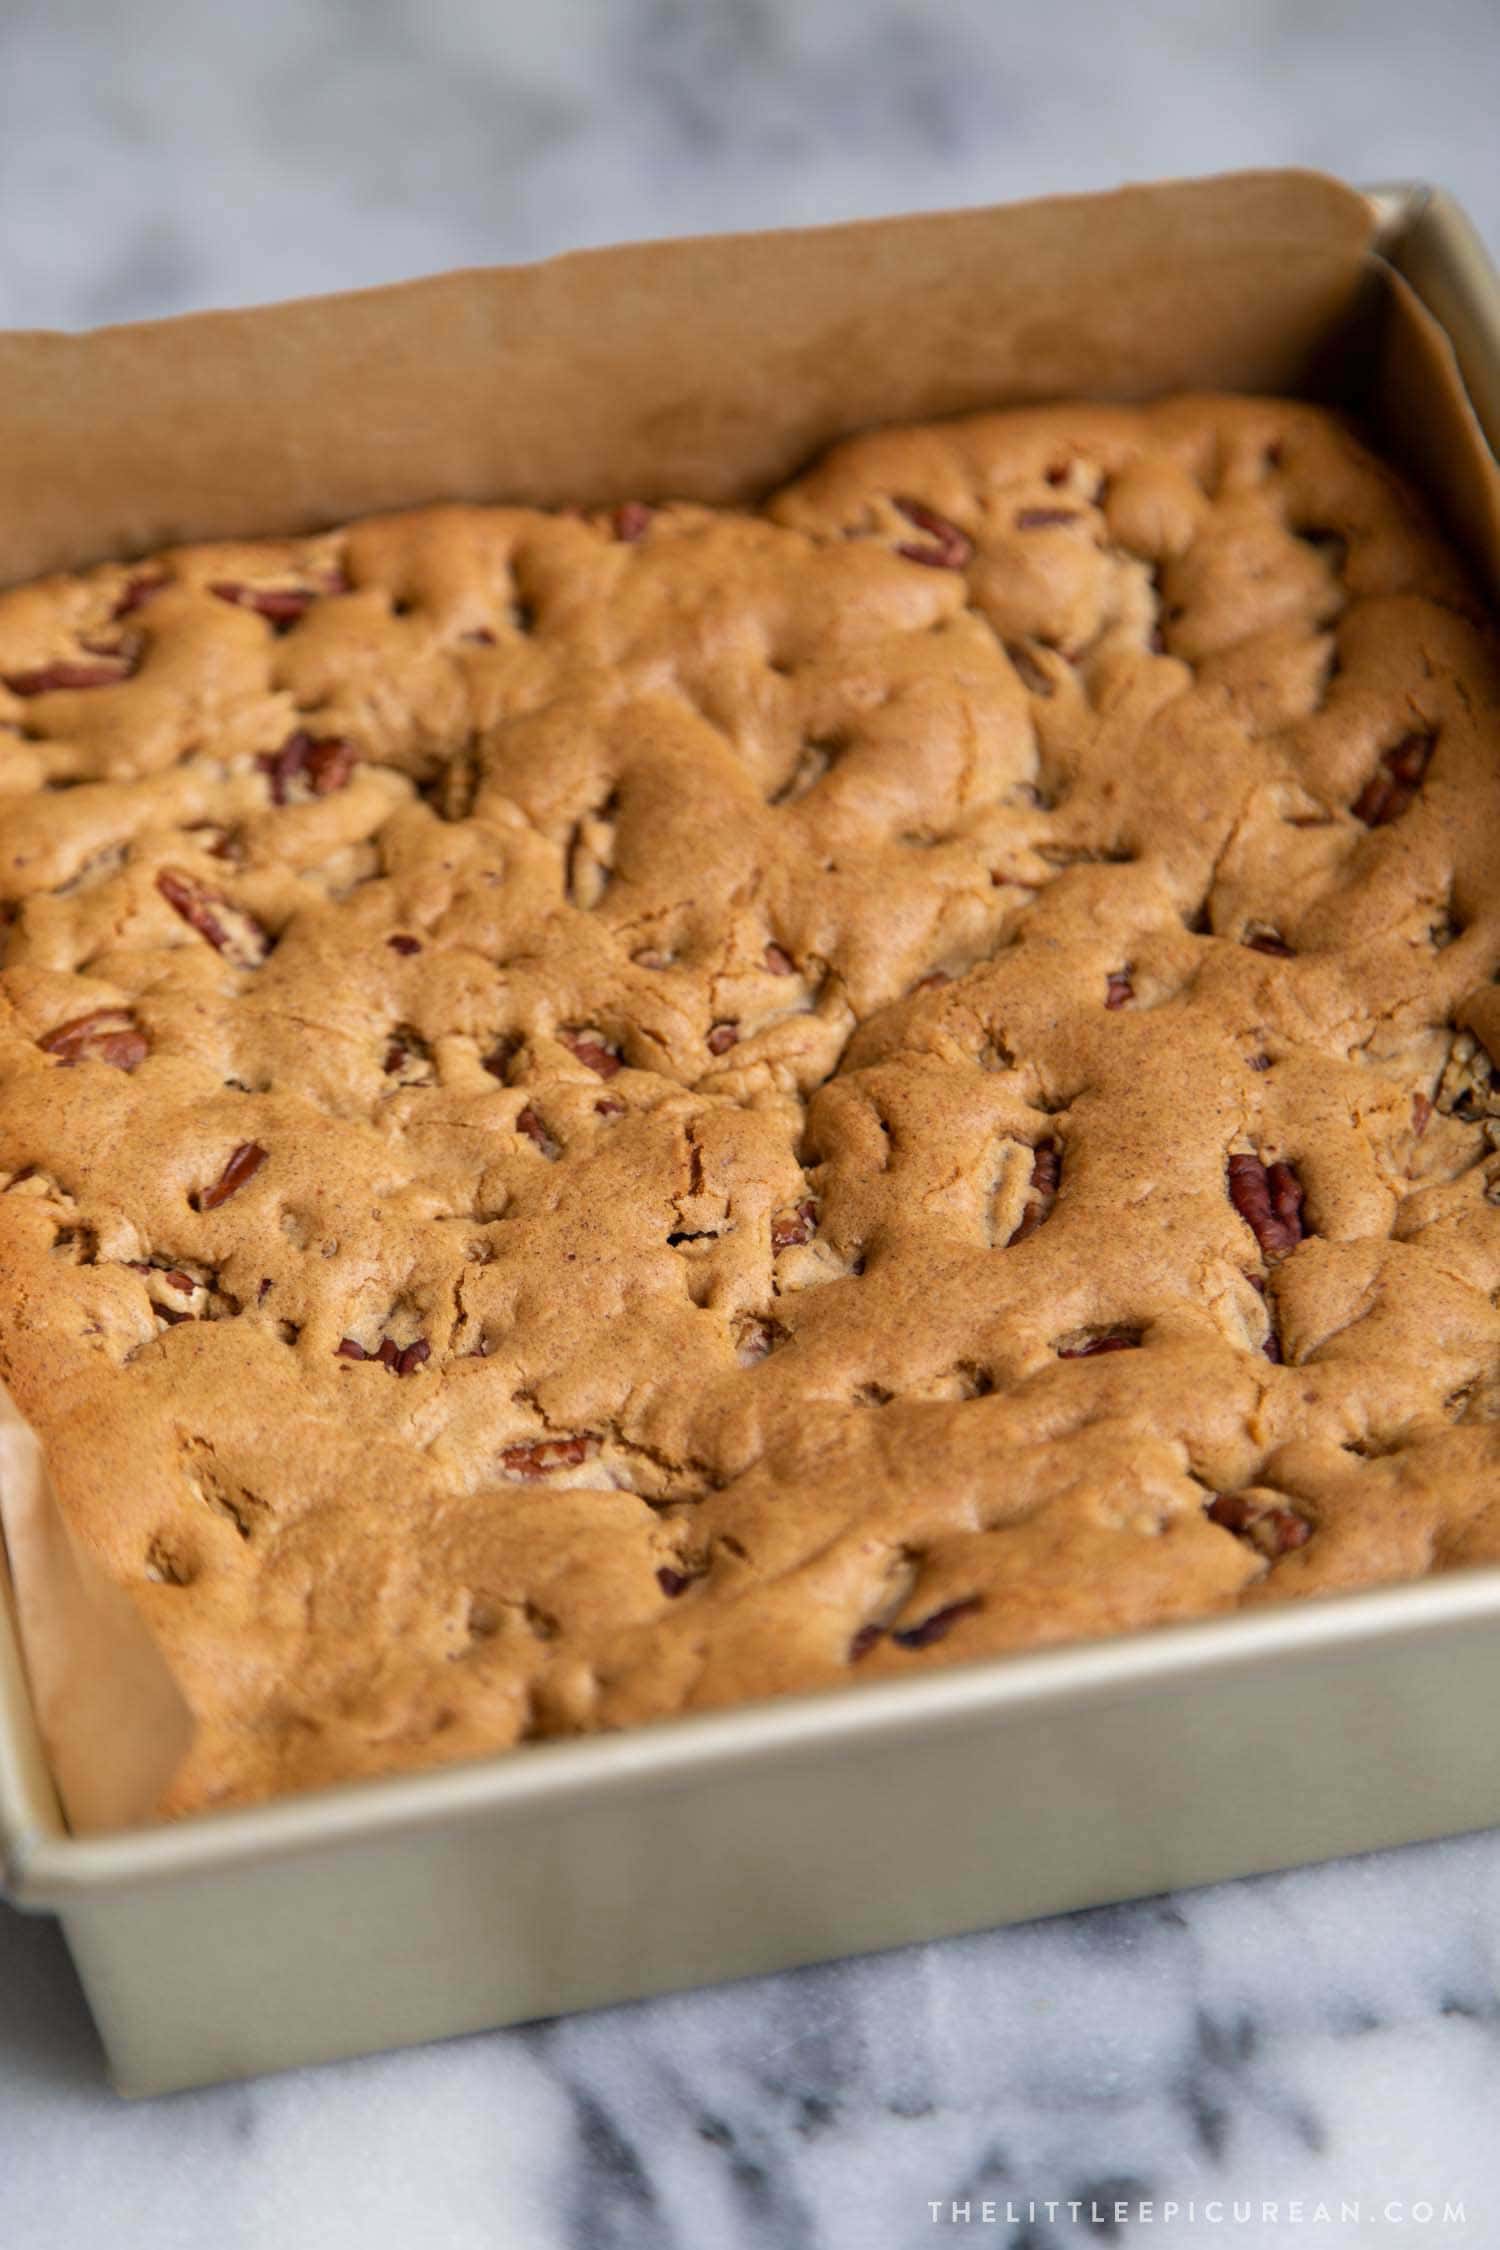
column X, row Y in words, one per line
column 591, row 1052
column 938, row 1625
column 1046, row 1174
column 1118, row 1340
column 1394, row 785
column 1421, row 1114
column 401, row 943
column 1268, row 1197
column 347, row 1348
column 534, row 1460
column 722, row 1037
column 864, row 1640
column 1119, row 989
column 1466, row 1089
column 756, row 1339
column 531, row 1125
column 948, row 547
column 408, row 1057
column 791, row 1228
column 1038, row 519
column 415, row 1355
column 388, row 1352
column 243, row 1165
column 609, row 1107
column 1262, row 940
column 674, row 1582
column 778, row 962
column 1274, row 1531
column 307, row 766
column 281, row 606
column 107, row 1035
column 139, row 591
column 49, row 679
column 631, row 520
column 228, row 929
column 1030, row 673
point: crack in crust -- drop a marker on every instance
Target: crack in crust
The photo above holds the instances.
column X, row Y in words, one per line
column 896, row 1075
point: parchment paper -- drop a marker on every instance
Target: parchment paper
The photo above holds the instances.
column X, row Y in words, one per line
column 708, row 369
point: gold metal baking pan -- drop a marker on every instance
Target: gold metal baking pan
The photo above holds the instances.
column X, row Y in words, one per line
column 570, row 1874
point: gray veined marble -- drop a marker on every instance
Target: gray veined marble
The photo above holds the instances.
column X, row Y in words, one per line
column 164, row 154
column 1330, row 2034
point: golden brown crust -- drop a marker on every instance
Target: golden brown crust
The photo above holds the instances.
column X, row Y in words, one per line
column 605, row 1114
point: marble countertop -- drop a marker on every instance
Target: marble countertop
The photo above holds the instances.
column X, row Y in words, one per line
column 1271, row 2051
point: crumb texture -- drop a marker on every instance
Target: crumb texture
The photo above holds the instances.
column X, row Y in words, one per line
column 602, row 1114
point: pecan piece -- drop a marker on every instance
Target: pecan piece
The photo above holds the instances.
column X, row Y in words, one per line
column 1038, row 519
column 591, row 1052
column 48, row 679
column 243, row 1165
column 949, row 548
column 789, row 1229
column 228, row 929
column 347, row 1348
column 415, row 1355
column 1046, row 1173
column 631, row 520
column 1260, row 940
column 138, row 592
column 408, row 1058
column 1466, row 1089
column 401, row 943
column 1119, row 1340
column 938, row 1625
column 755, row 1339
column 778, row 962
column 309, row 765
column 722, row 1037
column 1268, row 1197
column 281, row 606
column 107, row 1035
column 1118, row 989
column 1030, row 673
column 1394, row 785
column 531, row 1125
column 673, row 1582
column 1274, row 1531
column 534, row 1460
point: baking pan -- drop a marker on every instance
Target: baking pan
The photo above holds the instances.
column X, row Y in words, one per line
column 577, row 1873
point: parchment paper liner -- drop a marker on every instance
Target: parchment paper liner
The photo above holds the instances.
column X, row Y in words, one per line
column 708, row 369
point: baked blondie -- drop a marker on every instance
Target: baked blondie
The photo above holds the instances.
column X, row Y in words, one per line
column 607, row 1112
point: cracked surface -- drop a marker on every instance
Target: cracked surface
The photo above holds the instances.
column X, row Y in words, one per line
column 602, row 1114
